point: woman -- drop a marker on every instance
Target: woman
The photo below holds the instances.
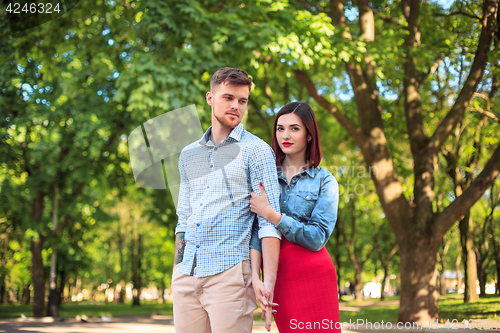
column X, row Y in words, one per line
column 306, row 284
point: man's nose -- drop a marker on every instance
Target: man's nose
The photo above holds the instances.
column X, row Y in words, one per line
column 234, row 105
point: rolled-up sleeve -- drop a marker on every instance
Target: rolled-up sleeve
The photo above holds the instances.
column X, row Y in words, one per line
column 263, row 170
column 183, row 205
column 255, row 242
column 314, row 234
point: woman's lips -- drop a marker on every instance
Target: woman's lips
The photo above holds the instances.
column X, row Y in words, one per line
column 287, row 144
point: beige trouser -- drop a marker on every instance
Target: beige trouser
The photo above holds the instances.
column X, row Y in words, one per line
column 221, row 303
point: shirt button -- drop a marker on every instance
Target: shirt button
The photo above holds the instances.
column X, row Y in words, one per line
column 201, row 204
column 284, row 201
column 197, row 224
column 215, row 148
column 307, row 197
column 197, row 246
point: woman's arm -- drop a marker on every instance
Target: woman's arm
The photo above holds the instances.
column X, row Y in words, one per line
column 314, row 234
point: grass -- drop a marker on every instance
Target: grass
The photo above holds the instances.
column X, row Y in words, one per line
column 487, row 307
column 373, row 314
column 451, row 307
column 92, row 310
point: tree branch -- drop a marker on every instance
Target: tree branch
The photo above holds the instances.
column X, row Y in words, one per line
column 490, row 115
column 458, row 12
column 445, row 220
column 353, row 130
column 461, row 104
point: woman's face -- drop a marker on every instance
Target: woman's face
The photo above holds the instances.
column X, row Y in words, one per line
column 291, row 134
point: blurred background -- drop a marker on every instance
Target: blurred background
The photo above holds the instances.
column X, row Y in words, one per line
column 405, row 92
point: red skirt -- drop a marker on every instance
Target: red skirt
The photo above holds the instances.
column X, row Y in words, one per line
column 306, row 290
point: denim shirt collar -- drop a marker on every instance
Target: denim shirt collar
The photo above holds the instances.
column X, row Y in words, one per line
column 234, row 135
column 309, row 171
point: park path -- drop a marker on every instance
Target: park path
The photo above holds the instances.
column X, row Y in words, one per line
column 154, row 324
column 367, row 304
column 129, row 324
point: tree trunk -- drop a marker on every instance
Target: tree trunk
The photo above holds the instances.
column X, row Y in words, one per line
column 2, row 293
column 121, row 237
column 37, row 259
column 338, row 265
column 26, row 294
column 497, row 261
column 457, row 270
column 137, row 269
column 419, row 292
column 382, row 288
column 160, row 295
column 357, row 284
column 122, row 292
column 38, row 277
column 469, row 256
column 496, row 255
column 442, row 257
column 2, row 289
column 61, row 286
column 481, row 273
column 442, row 278
column 52, row 306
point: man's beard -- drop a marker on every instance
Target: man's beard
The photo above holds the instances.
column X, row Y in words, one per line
column 227, row 123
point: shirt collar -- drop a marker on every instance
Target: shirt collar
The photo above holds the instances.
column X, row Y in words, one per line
column 235, row 134
column 310, row 171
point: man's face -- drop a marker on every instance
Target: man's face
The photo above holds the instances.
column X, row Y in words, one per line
column 229, row 103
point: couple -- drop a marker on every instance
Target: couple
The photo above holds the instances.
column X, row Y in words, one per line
column 230, row 177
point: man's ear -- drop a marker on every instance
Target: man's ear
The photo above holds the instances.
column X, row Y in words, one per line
column 209, row 96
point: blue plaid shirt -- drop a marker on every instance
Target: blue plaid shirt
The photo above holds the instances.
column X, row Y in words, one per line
column 214, row 199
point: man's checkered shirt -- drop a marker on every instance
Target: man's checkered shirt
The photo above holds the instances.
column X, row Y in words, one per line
column 214, row 199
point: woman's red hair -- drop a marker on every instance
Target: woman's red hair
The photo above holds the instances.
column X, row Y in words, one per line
column 306, row 114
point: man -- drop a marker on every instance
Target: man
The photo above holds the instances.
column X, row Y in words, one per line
column 211, row 281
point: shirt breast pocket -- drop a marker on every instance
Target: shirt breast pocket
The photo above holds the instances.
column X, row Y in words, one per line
column 305, row 202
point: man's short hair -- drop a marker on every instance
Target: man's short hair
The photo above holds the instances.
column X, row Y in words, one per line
column 234, row 76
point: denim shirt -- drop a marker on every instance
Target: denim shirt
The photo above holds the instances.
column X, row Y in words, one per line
column 309, row 207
